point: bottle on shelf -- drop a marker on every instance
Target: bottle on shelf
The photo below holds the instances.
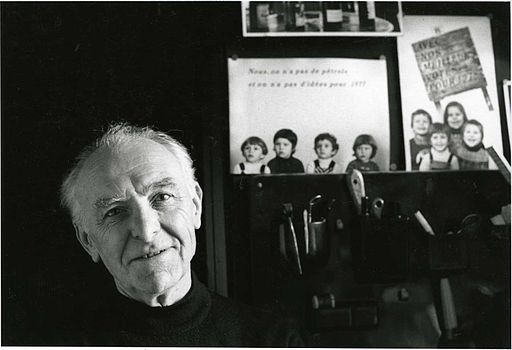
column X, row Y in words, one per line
column 258, row 14
column 273, row 18
column 350, row 15
column 313, row 16
column 366, row 15
column 294, row 16
column 332, row 16
column 300, row 16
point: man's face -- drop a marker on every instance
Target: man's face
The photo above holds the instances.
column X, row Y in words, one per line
column 140, row 214
column 283, row 148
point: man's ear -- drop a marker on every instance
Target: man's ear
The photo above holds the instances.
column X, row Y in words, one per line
column 197, row 199
column 87, row 244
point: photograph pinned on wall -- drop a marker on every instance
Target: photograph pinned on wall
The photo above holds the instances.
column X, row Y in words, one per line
column 308, row 115
column 321, row 18
column 449, row 93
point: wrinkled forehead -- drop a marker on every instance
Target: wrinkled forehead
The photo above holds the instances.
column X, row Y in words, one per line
column 134, row 163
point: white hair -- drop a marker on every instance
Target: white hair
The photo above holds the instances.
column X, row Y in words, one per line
column 117, row 134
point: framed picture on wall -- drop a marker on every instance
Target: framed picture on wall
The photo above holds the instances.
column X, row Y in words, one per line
column 321, row 18
column 308, row 115
column 449, row 92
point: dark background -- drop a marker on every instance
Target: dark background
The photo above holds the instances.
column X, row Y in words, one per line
column 70, row 68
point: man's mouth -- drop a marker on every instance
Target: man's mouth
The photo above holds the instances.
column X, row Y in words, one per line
column 151, row 254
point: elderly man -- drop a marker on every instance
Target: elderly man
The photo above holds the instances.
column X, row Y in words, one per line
column 135, row 205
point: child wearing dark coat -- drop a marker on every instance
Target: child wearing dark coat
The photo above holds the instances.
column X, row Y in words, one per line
column 420, row 123
column 455, row 117
column 285, row 141
column 473, row 155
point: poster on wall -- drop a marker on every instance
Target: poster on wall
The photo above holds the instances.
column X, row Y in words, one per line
column 313, row 115
column 449, row 93
column 321, row 18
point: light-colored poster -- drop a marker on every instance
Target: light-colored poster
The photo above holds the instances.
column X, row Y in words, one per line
column 342, row 103
column 449, row 93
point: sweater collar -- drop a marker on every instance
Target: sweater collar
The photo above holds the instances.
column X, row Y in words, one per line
column 455, row 131
column 474, row 148
column 185, row 314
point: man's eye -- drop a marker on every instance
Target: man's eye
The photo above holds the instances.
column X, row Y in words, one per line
column 161, row 197
column 112, row 212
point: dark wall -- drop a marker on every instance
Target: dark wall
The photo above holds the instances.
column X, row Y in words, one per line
column 67, row 70
column 70, row 68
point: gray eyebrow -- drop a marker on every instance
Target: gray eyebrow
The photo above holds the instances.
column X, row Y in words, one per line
column 108, row 201
column 167, row 181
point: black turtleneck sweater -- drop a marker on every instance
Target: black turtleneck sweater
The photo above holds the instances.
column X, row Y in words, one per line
column 201, row 318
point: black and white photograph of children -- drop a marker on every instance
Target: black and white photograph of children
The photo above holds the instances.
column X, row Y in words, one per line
column 467, row 118
column 315, row 115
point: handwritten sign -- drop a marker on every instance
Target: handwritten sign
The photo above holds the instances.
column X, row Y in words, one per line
column 449, row 64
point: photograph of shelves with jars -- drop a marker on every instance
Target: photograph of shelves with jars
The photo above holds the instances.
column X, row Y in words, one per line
column 321, row 18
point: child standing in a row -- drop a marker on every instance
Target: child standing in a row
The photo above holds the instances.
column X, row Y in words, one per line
column 326, row 147
column 254, row 150
column 285, row 141
column 365, row 148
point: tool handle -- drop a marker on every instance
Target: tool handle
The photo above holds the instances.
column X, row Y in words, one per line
column 295, row 246
column 448, row 306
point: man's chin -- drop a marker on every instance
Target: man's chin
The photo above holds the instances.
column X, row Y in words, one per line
column 161, row 281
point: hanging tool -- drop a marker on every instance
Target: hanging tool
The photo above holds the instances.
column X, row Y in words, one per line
column 306, row 229
column 288, row 213
column 424, row 223
column 377, row 207
column 356, row 188
column 312, row 202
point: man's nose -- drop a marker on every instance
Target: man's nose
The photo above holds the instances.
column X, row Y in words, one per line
column 145, row 223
